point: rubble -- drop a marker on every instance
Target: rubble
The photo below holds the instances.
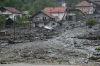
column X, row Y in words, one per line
column 39, row 44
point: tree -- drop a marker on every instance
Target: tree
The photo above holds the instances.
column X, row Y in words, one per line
column 71, row 3
column 77, row 14
column 22, row 21
column 90, row 22
column 2, row 21
column 41, row 4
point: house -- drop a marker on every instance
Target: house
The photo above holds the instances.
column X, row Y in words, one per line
column 25, row 12
column 10, row 12
column 73, row 14
column 58, row 12
column 85, row 7
column 43, row 18
column 96, row 5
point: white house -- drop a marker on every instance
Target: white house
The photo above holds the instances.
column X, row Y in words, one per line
column 58, row 12
column 10, row 12
column 42, row 19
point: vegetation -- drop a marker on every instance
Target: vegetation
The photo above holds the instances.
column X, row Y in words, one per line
column 2, row 21
column 34, row 6
column 77, row 14
column 22, row 21
column 28, row 5
column 72, row 3
column 98, row 48
column 90, row 22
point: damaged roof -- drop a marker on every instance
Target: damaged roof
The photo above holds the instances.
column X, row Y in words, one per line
column 55, row 9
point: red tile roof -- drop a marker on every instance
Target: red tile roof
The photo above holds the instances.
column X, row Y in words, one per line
column 13, row 10
column 83, row 3
column 55, row 9
column 48, row 14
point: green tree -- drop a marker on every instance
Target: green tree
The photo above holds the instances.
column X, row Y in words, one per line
column 77, row 14
column 90, row 22
column 22, row 21
column 41, row 4
column 2, row 21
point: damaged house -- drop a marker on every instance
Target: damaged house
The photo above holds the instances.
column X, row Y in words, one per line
column 42, row 19
column 85, row 7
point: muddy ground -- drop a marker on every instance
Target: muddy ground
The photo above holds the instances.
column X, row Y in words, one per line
column 69, row 44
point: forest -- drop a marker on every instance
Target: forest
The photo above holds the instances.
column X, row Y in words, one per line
column 34, row 5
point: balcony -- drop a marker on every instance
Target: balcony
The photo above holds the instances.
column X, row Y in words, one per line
column 41, row 20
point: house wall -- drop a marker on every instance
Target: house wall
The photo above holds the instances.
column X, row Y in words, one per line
column 42, row 23
column 14, row 15
column 59, row 15
column 39, row 17
column 86, row 10
column 10, row 15
column 5, row 12
column 50, row 24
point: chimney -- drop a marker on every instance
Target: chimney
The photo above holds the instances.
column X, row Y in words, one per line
column 63, row 4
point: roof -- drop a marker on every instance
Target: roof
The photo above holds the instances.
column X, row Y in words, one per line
column 13, row 10
column 55, row 9
column 83, row 3
column 46, row 13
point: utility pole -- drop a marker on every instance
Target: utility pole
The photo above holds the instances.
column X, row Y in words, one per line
column 30, row 19
column 14, row 27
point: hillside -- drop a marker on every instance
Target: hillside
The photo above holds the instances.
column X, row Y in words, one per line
column 34, row 5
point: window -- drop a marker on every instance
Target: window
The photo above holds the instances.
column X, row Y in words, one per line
column 44, row 19
column 84, row 8
column 37, row 18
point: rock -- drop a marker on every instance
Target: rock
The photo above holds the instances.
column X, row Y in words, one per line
column 3, row 62
column 24, row 55
column 94, row 58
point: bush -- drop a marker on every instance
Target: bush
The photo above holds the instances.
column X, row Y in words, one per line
column 98, row 48
column 22, row 21
column 2, row 21
column 90, row 22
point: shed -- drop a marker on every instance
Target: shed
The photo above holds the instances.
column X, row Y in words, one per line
column 9, row 22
